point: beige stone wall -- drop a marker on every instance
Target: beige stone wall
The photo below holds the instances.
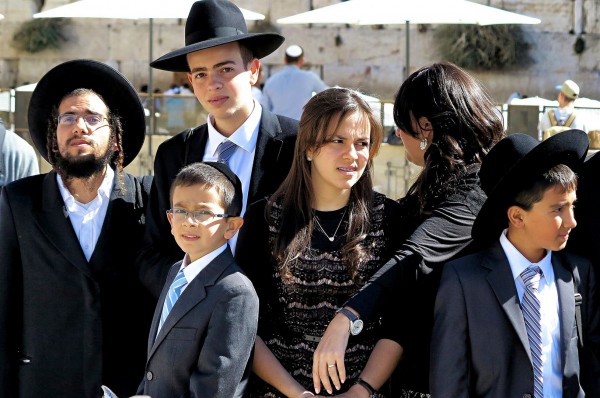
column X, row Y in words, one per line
column 368, row 58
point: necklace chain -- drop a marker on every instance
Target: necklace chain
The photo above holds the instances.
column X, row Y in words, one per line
column 331, row 238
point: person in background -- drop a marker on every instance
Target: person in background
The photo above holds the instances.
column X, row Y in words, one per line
column 507, row 319
column 73, row 312
column 324, row 234
column 564, row 117
column 17, row 158
column 222, row 62
column 287, row 91
column 447, row 123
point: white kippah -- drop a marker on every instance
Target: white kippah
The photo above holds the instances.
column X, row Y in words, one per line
column 293, row 51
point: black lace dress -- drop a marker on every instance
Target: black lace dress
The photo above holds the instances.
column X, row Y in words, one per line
column 295, row 315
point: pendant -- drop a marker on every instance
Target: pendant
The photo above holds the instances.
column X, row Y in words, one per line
column 331, row 238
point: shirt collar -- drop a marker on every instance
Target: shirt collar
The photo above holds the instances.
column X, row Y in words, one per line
column 104, row 190
column 191, row 270
column 244, row 136
column 518, row 262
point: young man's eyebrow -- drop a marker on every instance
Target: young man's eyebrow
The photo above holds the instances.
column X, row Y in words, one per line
column 215, row 66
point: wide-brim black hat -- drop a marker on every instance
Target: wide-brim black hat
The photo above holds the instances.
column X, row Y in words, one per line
column 512, row 165
column 212, row 23
column 118, row 93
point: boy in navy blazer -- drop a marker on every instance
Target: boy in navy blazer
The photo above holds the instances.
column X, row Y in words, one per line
column 520, row 318
column 204, row 325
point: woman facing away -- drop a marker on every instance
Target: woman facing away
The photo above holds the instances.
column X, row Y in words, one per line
column 447, row 124
column 313, row 243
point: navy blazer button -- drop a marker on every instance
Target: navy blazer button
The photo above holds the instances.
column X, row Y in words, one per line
column 149, row 376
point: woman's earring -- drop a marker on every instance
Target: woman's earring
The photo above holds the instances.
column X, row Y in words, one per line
column 423, row 144
column 308, row 158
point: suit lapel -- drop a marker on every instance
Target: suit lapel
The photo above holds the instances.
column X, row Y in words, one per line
column 502, row 283
column 161, row 301
column 56, row 226
column 193, row 294
column 566, row 302
column 114, row 217
column 268, row 149
column 195, row 145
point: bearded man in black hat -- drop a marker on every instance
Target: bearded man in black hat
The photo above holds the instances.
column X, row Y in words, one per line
column 222, row 63
column 73, row 313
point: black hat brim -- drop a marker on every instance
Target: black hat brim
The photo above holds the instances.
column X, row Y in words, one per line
column 261, row 45
column 568, row 148
column 120, row 97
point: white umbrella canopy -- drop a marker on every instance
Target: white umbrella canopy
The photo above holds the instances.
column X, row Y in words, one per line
column 132, row 9
column 406, row 12
column 129, row 9
column 390, row 12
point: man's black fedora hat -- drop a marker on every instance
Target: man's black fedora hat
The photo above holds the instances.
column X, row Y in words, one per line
column 212, row 23
column 512, row 164
column 118, row 93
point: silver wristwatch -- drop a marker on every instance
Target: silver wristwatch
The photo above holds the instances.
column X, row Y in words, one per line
column 356, row 324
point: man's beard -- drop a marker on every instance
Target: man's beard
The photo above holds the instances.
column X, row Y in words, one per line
column 83, row 167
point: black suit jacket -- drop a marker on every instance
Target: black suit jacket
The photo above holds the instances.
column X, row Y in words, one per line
column 69, row 325
column 272, row 162
column 204, row 347
column 479, row 343
column 584, row 238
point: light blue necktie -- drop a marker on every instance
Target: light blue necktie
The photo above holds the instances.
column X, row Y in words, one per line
column 533, row 323
column 225, row 150
column 172, row 296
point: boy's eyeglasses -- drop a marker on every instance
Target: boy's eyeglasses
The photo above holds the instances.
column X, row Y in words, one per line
column 69, row 119
column 199, row 216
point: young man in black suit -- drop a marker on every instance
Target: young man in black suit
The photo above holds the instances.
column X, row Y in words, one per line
column 222, row 62
column 520, row 317
column 73, row 312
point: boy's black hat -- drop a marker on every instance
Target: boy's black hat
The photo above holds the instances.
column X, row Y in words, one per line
column 118, row 93
column 515, row 162
column 238, row 198
column 212, row 23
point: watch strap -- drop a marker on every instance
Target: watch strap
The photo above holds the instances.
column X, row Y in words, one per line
column 349, row 314
column 367, row 386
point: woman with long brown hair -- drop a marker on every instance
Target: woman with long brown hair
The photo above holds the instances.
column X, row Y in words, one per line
column 314, row 242
column 447, row 123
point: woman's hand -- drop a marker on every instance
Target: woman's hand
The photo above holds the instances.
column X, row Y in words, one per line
column 328, row 359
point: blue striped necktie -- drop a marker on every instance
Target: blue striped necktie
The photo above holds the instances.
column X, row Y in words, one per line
column 533, row 323
column 172, row 296
column 225, row 150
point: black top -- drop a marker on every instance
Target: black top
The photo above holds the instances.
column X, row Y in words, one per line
column 408, row 283
column 294, row 315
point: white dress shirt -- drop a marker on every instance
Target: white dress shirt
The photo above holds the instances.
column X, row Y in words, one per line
column 550, row 321
column 87, row 219
column 191, row 270
column 242, row 160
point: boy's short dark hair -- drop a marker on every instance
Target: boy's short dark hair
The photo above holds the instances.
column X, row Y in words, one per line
column 560, row 176
column 210, row 177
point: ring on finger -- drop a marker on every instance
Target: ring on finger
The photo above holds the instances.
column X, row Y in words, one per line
column 331, row 366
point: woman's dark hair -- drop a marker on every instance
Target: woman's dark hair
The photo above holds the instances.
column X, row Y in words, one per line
column 116, row 133
column 464, row 121
column 320, row 119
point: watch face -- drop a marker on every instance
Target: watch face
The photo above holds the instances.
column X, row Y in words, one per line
column 356, row 327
